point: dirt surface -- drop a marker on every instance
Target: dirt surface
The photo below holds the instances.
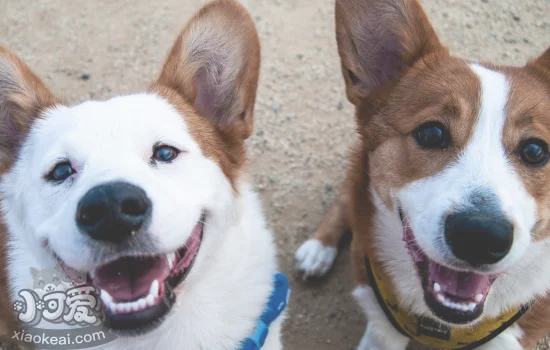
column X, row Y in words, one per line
column 304, row 125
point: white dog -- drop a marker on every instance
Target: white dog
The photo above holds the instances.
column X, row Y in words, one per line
column 147, row 194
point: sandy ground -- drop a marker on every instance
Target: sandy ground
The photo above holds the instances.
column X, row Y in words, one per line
column 304, row 125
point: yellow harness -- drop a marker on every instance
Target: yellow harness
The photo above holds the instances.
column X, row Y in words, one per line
column 430, row 332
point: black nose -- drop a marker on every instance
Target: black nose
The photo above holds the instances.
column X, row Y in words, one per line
column 479, row 238
column 113, row 211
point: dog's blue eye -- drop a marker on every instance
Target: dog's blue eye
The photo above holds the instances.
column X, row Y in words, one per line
column 165, row 154
column 534, row 152
column 60, row 172
column 432, row 135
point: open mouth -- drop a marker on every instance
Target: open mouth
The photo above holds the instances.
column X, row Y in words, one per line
column 454, row 296
column 137, row 292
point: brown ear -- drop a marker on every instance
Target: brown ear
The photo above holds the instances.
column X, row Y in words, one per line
column 215, row 64
column 378, row 40
column 23, row 97
column 543, row 60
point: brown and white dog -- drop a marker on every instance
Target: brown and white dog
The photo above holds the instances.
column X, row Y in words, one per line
column 448, row 191
column 147, row 194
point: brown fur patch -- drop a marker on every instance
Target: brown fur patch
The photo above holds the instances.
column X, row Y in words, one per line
column 542, row 63
column 23, row 97
column 379, row 40
column 225, row 150
column 361, row 215
column 438, row 88
column 535, row 323
column 528, row 116
column 211, row 76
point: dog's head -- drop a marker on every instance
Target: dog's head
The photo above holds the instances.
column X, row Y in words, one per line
column 134, row 190
column 457, row 160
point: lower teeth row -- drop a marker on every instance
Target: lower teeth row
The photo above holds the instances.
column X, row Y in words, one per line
column 140, row 304
column 457, row 306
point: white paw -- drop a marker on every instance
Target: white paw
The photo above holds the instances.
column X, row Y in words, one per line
column 314, row 259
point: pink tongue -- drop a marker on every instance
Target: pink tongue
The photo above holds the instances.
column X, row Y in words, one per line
column 128, row 279
column 465, row 285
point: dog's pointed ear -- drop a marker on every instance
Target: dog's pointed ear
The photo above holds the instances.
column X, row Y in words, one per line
column 23, row 96
column 214, row 65
column 378, row 40
column 543, row 60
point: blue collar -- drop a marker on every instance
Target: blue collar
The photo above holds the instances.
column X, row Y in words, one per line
column 275, row 306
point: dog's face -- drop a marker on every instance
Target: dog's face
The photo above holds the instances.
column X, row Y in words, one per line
column 457, row 157
column 135, row 191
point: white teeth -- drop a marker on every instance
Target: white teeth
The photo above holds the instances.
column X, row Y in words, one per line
column 127, row 307
column 106, row 297
column 119, row 307
column 154, row 290
column 171, row 257
column 437, row 287
column 137, row 305
column 457, row 306
column 479, row 297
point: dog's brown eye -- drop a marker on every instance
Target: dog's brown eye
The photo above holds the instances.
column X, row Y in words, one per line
column 60, row 172
column 534, row 152
column 165, row 154
column 432, row 135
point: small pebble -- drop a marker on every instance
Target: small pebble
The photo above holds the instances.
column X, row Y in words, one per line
column 84, row 76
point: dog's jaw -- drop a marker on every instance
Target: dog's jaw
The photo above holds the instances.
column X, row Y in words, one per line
column 517, row 286
column 455, row 296
column 206, row 310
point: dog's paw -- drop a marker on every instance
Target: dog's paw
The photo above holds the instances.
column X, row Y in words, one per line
column 314, row 259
